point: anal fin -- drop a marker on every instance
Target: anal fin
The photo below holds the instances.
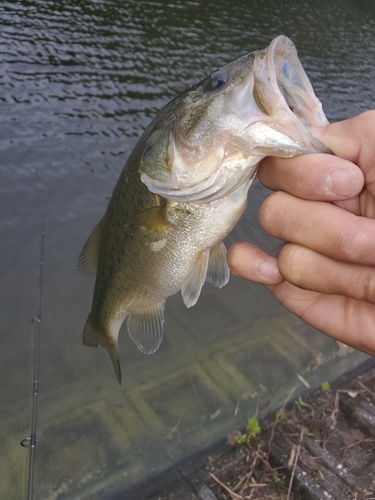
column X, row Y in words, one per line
column 192, row 285
column 146, row 328
column 218, row 272
column 93, row 336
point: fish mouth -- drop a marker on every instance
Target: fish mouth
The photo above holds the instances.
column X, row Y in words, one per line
column 279, row 68
column 282, row 90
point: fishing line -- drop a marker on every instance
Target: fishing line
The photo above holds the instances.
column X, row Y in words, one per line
column 30, row 441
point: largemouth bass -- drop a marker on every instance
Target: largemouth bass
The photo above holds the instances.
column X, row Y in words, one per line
column 184, row 187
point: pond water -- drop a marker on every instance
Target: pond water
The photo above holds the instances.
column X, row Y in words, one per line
column 79, row 82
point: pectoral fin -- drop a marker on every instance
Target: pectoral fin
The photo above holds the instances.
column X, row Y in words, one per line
column 218, row 271
column 146, row 328
column 192, row 285
column 88, row 258
column 152, row 220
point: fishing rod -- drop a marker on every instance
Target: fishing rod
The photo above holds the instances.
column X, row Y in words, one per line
column 30, row 441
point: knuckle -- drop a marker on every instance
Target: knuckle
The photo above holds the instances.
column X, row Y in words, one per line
column 368, row 118
column 353, row 246
column 367, row 287
column 290, row 262
column 271, row 213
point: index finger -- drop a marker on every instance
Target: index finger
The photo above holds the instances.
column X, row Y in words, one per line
column 318, row 177
column 353, row 140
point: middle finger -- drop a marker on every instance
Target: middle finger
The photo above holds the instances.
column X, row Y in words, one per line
column 321, row 226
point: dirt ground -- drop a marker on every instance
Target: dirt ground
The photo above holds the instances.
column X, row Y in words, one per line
column 322, row 447
column 318, row 447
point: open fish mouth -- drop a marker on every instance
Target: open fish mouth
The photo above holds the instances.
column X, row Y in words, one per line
column 277, row 93
column 279, row 68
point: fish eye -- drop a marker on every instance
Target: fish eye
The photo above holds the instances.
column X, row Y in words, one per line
column 217, row 80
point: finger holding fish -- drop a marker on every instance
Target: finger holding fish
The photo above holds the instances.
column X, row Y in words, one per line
column 313, row 177
column 347, row 179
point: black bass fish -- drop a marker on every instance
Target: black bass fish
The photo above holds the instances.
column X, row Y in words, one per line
column 184, row 187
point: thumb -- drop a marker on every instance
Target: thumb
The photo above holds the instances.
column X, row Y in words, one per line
column 353, row 140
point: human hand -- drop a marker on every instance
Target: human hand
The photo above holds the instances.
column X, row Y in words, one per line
column 324, row 207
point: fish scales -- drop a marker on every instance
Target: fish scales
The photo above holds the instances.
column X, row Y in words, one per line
column 184, row 187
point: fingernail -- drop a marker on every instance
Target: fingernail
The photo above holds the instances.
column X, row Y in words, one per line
column 268, row 269
column 341, row 182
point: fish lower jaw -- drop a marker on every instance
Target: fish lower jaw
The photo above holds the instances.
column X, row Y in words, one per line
column 223, row 182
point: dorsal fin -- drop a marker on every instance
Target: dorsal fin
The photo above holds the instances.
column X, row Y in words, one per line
column 88, row 258
column 218, row 271
column 146, row 328
column 192, row 284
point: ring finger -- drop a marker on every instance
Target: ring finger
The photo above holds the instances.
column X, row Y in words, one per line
column 313, row 271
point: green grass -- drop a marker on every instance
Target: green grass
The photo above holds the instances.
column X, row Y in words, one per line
column 300, row 403
column 325, row 386
column 252, row 430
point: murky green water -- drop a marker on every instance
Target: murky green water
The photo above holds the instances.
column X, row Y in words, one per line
column 79, row 82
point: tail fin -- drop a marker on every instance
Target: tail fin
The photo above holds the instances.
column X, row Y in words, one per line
column 93, row 336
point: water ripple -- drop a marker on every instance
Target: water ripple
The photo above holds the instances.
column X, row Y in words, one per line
column 83, row 80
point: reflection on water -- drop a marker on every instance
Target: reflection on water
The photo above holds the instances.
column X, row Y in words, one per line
column 79, row 82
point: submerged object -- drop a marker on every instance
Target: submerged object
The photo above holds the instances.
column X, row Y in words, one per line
column 184, row 187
